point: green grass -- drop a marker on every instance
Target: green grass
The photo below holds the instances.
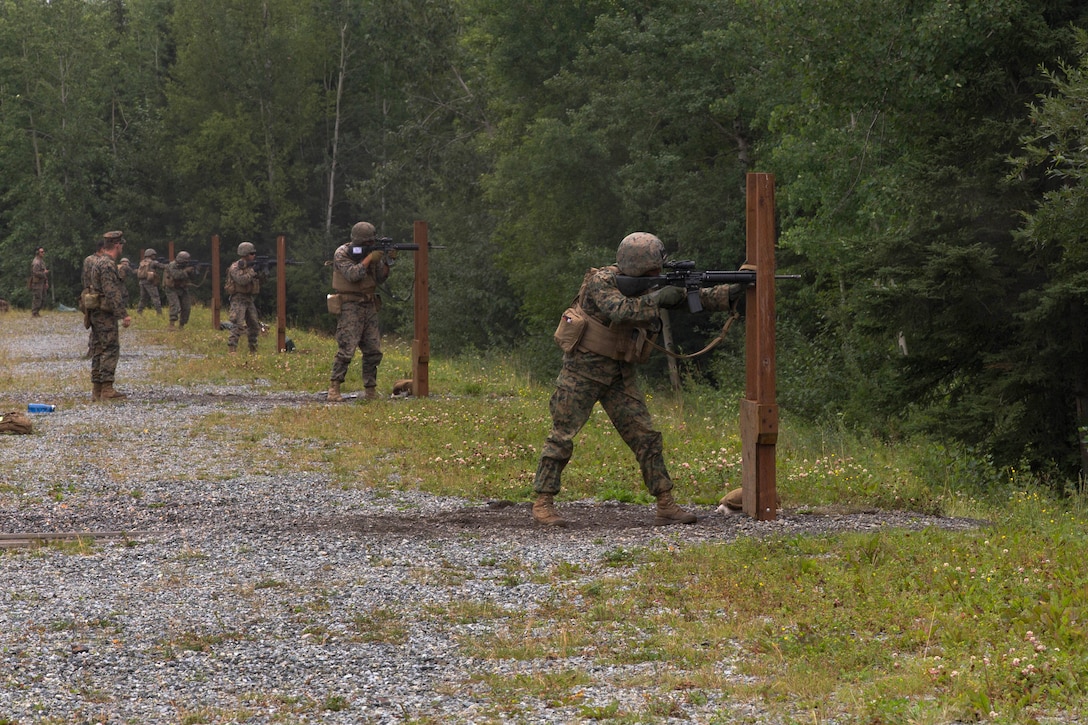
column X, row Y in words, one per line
column 889, row 626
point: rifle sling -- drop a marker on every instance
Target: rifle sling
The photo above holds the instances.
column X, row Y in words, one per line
column 713, row 343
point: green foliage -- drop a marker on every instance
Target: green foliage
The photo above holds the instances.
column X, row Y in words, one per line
column 942, row 293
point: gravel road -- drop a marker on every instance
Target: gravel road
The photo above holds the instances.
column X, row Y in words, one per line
column 241, row 597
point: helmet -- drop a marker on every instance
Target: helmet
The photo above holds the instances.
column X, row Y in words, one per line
column 124, row 260
column 362, row 232
column 150, row 253
column 182, row 257
column 246, row 248
column 113, row 235
column 640, row 253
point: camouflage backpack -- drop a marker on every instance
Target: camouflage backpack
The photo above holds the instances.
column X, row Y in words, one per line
column 15, row 422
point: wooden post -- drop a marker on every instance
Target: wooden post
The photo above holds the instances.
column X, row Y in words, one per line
column 217, row 301
column 170, row 250
column 281, row 294
column 421, row 343
column 758, row 411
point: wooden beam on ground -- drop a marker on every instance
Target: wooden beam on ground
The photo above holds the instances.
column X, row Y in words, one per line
column 29, row 539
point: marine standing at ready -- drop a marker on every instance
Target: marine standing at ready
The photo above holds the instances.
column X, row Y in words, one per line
column 103, row 281
column 355, row 279
column 176, row 280
column 39, row 282
column 243, row 285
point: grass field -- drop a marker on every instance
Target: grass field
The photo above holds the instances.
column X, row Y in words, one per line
column 885, row 627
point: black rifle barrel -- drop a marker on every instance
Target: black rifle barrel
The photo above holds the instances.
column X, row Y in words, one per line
column 633, row 286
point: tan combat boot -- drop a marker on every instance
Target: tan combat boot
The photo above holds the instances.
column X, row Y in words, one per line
column 544, row 511
column 669, row 513
column 108, row 393
column 333, row 396
column 96, row 392
column 370, row 393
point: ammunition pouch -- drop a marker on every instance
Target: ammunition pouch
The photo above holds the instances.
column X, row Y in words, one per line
column 333, row 302
column 360, row 298
column 625, row 342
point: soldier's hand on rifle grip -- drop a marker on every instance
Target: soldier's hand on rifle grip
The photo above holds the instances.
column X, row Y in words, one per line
column 670, row 296
column 372, row 258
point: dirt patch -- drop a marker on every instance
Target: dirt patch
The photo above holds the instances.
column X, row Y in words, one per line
column 596, row 519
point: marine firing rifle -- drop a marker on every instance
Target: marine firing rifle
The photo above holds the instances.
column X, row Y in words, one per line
column 683, row 274
column 384, row 244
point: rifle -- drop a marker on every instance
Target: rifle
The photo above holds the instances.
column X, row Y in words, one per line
column 263, row 262
column 384, row 244
column 683, row 274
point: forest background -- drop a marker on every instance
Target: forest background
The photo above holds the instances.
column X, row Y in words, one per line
column 929, row 155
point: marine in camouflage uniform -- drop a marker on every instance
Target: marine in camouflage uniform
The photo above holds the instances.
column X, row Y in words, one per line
column 176, row 280
column 148, row 276
column 244, row 284
column 126, row 271
column 101, row 277
column 356, row 279
column 607, row 374
column 39, row 282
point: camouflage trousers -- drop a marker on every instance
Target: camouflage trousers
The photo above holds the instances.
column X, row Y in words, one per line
column 105, row 346
column 613, row 385
column 37, row 293
column 243, row 316
column 181, row 304
column 357, row 328
column 149, row 297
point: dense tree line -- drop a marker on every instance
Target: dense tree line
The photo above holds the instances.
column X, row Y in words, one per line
column 928, row 157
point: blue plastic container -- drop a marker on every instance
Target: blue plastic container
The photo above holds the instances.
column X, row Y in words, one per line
column 40, row 408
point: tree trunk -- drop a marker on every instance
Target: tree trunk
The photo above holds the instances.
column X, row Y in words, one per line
column 336, row 129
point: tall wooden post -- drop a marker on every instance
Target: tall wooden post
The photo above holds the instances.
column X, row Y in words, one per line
column 421, row 342
column 217, row 300
column 758, row 410
column 281, row 293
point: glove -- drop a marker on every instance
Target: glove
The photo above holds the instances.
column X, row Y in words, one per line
column 372, row 258
column 668, row 296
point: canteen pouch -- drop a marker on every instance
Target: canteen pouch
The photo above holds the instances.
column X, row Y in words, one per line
column 90, row 301
column 333, row 302
column 572, row 326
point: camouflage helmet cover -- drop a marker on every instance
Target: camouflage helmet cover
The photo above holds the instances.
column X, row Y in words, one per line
column 246, row 248
column 150, row 253
column 182, row 257
column 362, row 232
column 639, row 253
